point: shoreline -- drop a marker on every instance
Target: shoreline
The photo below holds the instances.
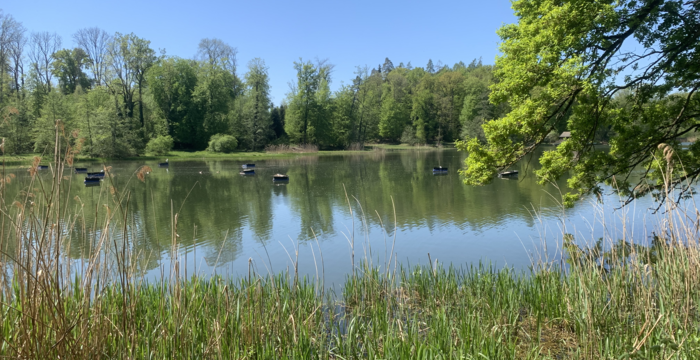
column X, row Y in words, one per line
column 178, row 155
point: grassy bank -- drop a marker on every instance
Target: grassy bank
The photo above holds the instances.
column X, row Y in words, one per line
column 613, row 302
column 175, row 155
column 417, row 313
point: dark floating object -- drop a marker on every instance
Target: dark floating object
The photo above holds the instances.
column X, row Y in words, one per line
column 164, row 164
column 96, row 175
column 439, row 170
column 280, row 177
column 248, row 166
column 508, row 174
column 91, row 181
column 80, row 170
column 247, row 172
column 42, row 167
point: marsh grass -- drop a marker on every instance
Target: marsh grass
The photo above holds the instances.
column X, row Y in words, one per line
column 615, row 300
column 292, row 148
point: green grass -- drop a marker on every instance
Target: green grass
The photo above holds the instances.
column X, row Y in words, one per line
column 421, row 313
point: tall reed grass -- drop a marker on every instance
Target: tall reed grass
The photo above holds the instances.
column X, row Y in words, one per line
column 616, row 300
column 292, row 148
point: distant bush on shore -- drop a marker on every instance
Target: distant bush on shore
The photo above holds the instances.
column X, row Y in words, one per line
column 222, row 143
column 160, row 145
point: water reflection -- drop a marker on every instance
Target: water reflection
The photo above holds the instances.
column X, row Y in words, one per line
column 224, row 216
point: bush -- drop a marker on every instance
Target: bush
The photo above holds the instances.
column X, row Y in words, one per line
column 222, row 143
column 409, row 136
column 552, row 137
column 160, row 145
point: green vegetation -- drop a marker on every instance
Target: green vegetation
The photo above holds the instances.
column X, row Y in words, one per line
column 630, row 301
column 116, row 95
column 626, row 71
column 222, row 143
column 160, row 145
column 565, row 65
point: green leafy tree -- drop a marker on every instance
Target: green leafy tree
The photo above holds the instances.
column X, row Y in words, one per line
column 130, row 58
column 212, row 98
column 15, row 124
column 113, row 135
column 395, row 111
column 476, row 108
column 342, row 118
column 68, row 68
column 448, row 101
column 430, row 68
column 387, row 67
column 277, row 117
column 257, row 105
column 369, row 95
column 172, row 83
column 565, row 61
column 88, row 106
column 301, row 102
column 324, row 109
column 304, row 120
column 58, row 111
column 424, row 110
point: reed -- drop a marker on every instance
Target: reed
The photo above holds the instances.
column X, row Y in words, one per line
column 293, row 148
column 618, row 299
column 356, row 146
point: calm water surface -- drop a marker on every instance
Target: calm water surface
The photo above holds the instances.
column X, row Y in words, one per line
column 224, row 219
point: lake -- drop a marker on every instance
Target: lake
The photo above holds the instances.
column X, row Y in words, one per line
column 224, row 219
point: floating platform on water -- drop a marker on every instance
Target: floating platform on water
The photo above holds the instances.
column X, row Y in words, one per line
column 42, row 167
column 165, row 164
column 248, row 166
column 247, row 172
column 508, row 174
column 95, row 175
column 280, row 177
column 91, row 181
column 80, row 170
column 439, row 170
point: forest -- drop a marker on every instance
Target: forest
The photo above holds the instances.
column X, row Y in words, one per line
column 113, row 95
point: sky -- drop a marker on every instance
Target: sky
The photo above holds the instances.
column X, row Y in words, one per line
column 347, row 33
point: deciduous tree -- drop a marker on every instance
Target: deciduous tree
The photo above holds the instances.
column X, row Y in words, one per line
column 565, row 61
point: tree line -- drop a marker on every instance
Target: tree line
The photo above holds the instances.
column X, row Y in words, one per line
column 113, row 95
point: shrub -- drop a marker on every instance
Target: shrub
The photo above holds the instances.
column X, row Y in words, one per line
column 160, row 145
column 222, row 143
column 409, row 136
column 552, row 137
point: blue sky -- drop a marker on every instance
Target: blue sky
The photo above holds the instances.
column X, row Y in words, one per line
column 280, row 32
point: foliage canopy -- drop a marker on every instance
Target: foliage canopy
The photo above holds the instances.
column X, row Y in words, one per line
column 629, row 68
